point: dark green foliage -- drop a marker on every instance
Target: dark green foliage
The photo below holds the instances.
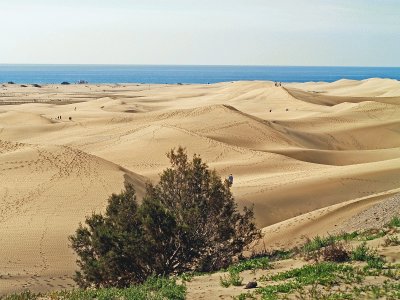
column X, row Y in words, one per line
column 187, row 222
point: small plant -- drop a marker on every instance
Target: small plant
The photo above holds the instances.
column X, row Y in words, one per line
column 25, row 295
column 187, row 277
column 364, row 253
column 251, row 264
column 224, row 281
column 394, row 222
column 65, row 83
column 273, row 255
column 361, row 252
column 311, row 246
column 392, row 241
column 155, row 288
column 335, row 252
column 244, row 296
column 233, row 278
column 372, row 234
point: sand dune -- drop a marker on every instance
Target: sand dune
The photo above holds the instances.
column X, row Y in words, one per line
column 307, row 156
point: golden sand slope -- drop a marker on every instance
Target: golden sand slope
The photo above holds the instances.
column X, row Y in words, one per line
column 292, row 150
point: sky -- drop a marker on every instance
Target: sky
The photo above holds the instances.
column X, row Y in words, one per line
column 206, row 32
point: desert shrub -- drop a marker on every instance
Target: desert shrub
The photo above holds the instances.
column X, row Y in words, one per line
column 394, row 222
column 11, row 82
column 65, row 83
column 36, row 85
column 189, row 221
column 335, row 252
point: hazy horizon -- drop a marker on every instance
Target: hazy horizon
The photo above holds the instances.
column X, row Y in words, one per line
column 237, row 32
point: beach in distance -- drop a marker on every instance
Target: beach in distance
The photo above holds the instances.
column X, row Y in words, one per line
column 309, row 156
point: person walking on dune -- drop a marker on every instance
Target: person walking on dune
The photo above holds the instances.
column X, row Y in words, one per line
column 230, row 179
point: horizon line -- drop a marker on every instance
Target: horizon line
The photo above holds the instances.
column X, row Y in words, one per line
column 192, row 65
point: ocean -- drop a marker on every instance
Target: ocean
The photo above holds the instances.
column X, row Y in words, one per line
column 185, row 74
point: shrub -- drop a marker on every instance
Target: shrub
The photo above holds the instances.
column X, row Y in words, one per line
column 65, row 83
column 187, row 222
column 335, row 252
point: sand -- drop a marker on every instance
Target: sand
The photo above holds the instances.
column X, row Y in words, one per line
column 308, row 156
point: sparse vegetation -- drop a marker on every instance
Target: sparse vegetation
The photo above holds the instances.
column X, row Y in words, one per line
column 233, row 278
column 153, row 289
column 394, row 222
column 392, row 241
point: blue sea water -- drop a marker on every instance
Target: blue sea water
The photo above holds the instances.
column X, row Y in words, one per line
column 185, row 74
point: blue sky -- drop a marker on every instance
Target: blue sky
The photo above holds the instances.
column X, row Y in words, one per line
column 236, row 32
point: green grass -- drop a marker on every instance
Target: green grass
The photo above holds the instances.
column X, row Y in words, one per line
column 324, row 273
column 262, row 263
column 394, row 222
column 271, row 292
column 152, row 289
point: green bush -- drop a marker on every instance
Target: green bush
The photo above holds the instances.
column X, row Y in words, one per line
column 189, row 221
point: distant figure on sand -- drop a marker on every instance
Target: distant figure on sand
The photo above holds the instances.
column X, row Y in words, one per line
column 230, row 179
